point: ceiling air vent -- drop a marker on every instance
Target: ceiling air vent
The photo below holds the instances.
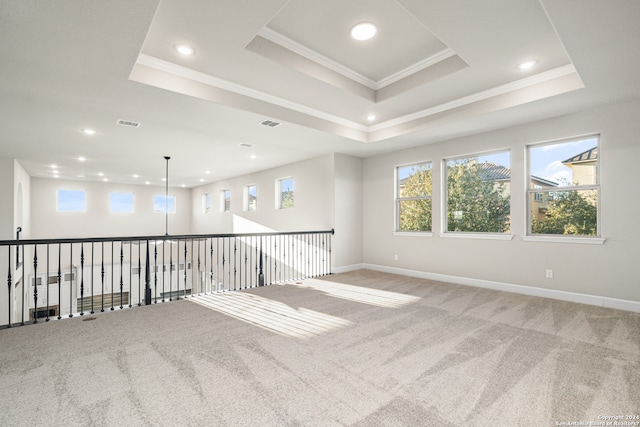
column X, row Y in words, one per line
column 128, row 123
column 270, row 123
column 245, row 145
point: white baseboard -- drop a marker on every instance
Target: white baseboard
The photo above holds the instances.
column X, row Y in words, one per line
column 596, row 300
column 347, row 268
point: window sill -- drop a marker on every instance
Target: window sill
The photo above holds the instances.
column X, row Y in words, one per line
column 482, row 236
column 565, row 239
column 413, row 233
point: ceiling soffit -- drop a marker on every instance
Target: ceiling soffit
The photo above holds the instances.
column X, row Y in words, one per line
column 306, row 37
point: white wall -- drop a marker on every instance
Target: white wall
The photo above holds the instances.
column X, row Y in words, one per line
column 22, row 197
column 347, row 241
column 604, row 270
column 7, row 196
column 313, row 201
column 97, row 221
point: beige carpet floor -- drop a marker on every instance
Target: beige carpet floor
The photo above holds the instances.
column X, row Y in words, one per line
column 356, row 349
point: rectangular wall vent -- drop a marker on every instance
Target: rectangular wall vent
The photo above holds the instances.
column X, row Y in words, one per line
column 245, row 145
column 128, row 123
column 270, row 123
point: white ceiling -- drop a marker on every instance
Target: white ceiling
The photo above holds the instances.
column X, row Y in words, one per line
column 436, row 70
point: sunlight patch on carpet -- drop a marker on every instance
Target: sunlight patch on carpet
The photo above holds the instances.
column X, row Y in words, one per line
column 272, row 315
column 360, row 294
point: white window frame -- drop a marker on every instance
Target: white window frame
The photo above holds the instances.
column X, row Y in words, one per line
column 279, row 183
column 444, row 224
column 565, row 238
column 224, row 195
column 83, row 192
column 163, row 210
column 206, row 202
column 247, row 206
column 398, row 200
column 133, row 202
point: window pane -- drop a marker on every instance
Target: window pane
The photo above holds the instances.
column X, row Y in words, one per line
column 286, row 193
column 206, row 202
column 478, row 193
column 72, row 201
column 121, row 202
column 161, row 203
column 565, row 212
column 414, row 180
column 414, row 215
column 252, row 198
column 225, row 200
column 565, row 164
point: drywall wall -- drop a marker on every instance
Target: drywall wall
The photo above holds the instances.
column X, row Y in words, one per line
column 313, row 206
column 605, row 270
column 7, row 196
column 347, row 241
column 22, row 200
column 98, row 221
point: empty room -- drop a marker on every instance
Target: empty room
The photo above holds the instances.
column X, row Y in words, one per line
column 294, row 212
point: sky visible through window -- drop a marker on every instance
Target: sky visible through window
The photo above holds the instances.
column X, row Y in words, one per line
column 121, row 202
column 72, row 201
column 546, row 160
column 160, row 204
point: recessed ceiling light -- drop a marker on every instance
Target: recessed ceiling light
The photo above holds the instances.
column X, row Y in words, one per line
column 525, row 65
column 135, row 175
column 54, row 166
column 183, row 186
column 207, row 172
column 185, row 49
column 371, row 117
column 82, row 159
column 253, row 156
column 100, row 174
column 201, row 179
column 105, row 179
column 147, row 182
column 364, row 31
column 88, row 131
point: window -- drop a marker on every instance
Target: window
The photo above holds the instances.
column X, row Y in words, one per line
column 164, row 204
column 250, row 198
column 478, row 193
column 206, row 202
column 121, row 202
column 413, row 197
column 564, row 188
column 285, row 192
column 225, row 200
column 71, row 201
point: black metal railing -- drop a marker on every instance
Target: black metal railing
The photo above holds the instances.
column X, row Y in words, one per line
column 57, row 278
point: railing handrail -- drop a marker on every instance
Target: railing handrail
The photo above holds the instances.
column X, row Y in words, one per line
column 154, row 238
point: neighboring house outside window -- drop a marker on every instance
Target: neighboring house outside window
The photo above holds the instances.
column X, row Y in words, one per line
column 571, row 206
column 250, row 198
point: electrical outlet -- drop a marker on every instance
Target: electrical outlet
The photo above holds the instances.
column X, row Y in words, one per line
column 549, row 274
column 395, row 257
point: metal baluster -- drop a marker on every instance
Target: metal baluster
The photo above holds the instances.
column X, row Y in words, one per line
column 71, row 280
column 23, row 290
column 102, row 275
column 223, row 263
column 35, row 283
column 261, row 266
column 112, row 243
column 130, row 272
column 47, row 282
column 155, row 273
column 121, row 272
column 82, row 279
column 235, row 261
column 139, row 276
column 9, row 283
column 92, row 259
column 164, row 265
column 147, row 277
column 170, row 271
column 59, row 283
column 198, row 282
column 246, row 262
column 185, row 268
column 212, row 277
column 275, row 260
